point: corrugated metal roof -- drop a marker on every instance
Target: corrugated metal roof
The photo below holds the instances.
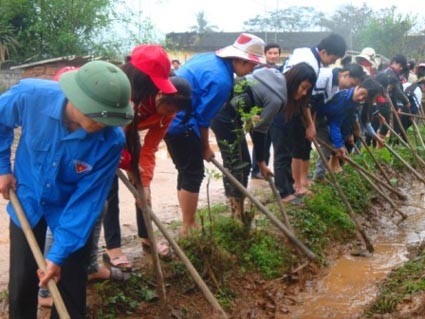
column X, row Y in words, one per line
column 71, row 58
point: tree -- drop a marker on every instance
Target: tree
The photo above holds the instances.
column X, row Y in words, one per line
column 387, row 31
column 52, row 28
column 288, row 20
column 202, row 25
column 348, row 21
column 8, row 43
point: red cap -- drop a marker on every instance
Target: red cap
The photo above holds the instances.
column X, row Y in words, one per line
column 154, row 61
column 62, row 71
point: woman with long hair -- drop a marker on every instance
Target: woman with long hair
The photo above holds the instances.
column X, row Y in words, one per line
column 156, row 99
column 291, row 148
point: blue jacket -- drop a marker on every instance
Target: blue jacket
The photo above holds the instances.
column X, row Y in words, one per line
column 337, row 110
column 62, row 176
column 211, row 79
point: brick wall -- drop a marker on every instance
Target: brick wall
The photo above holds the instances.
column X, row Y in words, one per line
column 9, row 78
column 43, row 71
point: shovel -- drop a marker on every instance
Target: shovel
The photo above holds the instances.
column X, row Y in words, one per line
column 38, row 256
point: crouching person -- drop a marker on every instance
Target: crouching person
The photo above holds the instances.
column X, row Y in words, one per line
column 66, row 159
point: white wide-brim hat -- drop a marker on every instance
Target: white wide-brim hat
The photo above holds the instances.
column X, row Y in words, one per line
column 367, row 58
column 247, row 46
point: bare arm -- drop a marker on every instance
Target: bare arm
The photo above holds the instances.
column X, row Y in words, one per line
column 310, row 131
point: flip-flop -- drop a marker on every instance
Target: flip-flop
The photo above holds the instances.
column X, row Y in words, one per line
column 46, row 302
column 120, row 262
column 307, row 193
column 164, row 251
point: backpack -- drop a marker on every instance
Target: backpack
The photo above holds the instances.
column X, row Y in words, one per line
column 410, row 93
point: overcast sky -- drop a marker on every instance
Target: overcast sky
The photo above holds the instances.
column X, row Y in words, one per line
column 229, row 15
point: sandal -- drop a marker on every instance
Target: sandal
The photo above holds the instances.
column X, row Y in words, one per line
column 303, row 192
column 44, row 298
column 104, row 273
column 120, row 262
column 296, row 201
column 164, row 251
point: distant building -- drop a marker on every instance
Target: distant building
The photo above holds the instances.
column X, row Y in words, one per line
column 183, row 45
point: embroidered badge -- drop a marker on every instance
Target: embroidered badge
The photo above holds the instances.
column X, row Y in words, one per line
column 81, row 167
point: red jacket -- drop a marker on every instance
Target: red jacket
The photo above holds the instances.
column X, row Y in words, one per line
column 157, row 125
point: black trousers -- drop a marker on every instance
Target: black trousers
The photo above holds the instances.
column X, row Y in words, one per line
column 23, row 280
column 237, row 158
column 186, row 152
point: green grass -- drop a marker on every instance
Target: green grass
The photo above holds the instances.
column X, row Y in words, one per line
column 225, row 248
column 402, row 283
column 121, row 298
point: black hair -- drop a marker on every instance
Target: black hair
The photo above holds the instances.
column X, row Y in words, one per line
column 294, row 76
column 272, row 45
column 355, row 71
column 142, row 87
column 386, row 78
column 346, row 60
column 372, row 86
column 399, row 58
column 333, row 44
column 175, row 60
column 411, row 64
column 183, row 97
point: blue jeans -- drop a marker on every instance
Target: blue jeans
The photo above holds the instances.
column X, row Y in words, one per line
column 322, row 133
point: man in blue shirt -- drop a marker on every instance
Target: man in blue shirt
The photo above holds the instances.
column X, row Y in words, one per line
column 342, row 108
column 211, row 78
column 67, row 155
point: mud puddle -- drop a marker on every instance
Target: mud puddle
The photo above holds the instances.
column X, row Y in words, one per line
column 351, row 282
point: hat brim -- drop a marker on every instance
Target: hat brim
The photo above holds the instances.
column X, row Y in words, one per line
column 367, row 58
column 164, row 85
column 78, row 98
column 232, row 52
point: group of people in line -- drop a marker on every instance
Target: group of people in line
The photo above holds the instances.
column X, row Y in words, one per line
column 78, row 129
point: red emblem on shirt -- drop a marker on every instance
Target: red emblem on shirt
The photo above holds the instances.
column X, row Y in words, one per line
column 81, row 167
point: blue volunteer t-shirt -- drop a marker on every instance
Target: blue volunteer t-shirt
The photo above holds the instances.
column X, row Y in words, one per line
column 211, row 79
column 62, row 176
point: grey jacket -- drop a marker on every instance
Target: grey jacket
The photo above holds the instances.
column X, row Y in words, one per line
column 268, row 87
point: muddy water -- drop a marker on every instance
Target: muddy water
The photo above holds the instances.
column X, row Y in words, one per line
column 351, row 282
